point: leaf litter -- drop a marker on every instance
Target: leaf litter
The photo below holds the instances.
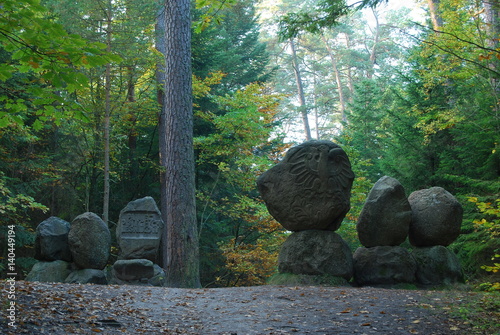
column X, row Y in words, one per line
column 56, row 308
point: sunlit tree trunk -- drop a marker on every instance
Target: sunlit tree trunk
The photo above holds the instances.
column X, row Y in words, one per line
column 436, row 18
column 300, row 91
column 333, row 61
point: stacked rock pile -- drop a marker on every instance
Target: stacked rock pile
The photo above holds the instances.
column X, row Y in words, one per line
column 138, row 234
column 71, row 253
column 308, row 193
column 431, row 219
column 78, row 252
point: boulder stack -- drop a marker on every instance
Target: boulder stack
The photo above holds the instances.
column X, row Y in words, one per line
column 308, row 193
column 430, row 218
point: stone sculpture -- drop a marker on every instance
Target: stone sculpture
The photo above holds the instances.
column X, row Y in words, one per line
column 139, row 230
column 310, row 188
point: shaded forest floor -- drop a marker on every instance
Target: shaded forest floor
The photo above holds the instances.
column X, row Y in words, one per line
column 54, row 308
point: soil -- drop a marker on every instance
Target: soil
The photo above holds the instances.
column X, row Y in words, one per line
column 55, row 308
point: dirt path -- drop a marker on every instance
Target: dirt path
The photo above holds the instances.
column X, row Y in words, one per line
column 46, row 308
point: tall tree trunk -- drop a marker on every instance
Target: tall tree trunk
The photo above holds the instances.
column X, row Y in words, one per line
column 300, row 90
column 350, row 81
column 333, row 61
column 492, row 20
column 436, row 18
column 180, row 250
column 107, row 120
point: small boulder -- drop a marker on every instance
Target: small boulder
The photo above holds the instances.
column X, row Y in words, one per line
column 87, row 276
column 139, row 230
column 386, row 215
column 56, row 271
column 436, row 219
column 437, row 266
column 134, row 269
column 51, row 241
column 383, row 265
column 316, row 252
column 310, row 189
column 89, row 241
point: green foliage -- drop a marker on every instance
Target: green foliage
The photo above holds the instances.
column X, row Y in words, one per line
column 490, row 225
column 320, row 15
column 49, row 57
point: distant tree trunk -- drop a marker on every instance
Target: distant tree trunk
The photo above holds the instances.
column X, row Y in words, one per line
column 350, row 81
column 492, row 27
column 107, row 120
column 180, row 247
column 300, row 90
column 436, row 18
column 333, row 61
column 132, row 134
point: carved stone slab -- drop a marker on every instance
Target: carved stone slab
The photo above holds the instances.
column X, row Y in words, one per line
column 310, row 188
column 139, row 230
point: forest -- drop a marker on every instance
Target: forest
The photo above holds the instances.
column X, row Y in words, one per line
column 408, row 92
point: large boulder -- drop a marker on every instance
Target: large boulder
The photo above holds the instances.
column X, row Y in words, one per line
column 139, row 230
column 386, row 215
column 384, row 265
column 316, row 252
column 437, row 266
column 56, row 271
column 51, row 241
column 437, row 217
column 89, row 241
column 87, row 276
column 310, row 188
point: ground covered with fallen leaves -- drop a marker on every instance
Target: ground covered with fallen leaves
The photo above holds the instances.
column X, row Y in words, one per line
column 55, row 308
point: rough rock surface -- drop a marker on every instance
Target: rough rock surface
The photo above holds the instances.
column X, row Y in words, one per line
column 310, row 188
column 383, row 265
column 89, row 241
column 316, row 252
column 139, row 230
column 51, row 241
column 87, row 276
column 133, row 269
column 56, row 271
column 437, row 266
column 437, row 217
column 386, row 215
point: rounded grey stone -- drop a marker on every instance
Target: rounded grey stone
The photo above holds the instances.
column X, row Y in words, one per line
column 89, row 241
column 386, row 215
column 437, row 266
column 56, row 271
column 51, row 241
column 436, row 217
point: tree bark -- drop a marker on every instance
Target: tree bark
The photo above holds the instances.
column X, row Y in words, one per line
column 436, row 18
column 492, row 28
column 107, row 119
column 180, row 247
column 333, row 61
column 300, row 90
